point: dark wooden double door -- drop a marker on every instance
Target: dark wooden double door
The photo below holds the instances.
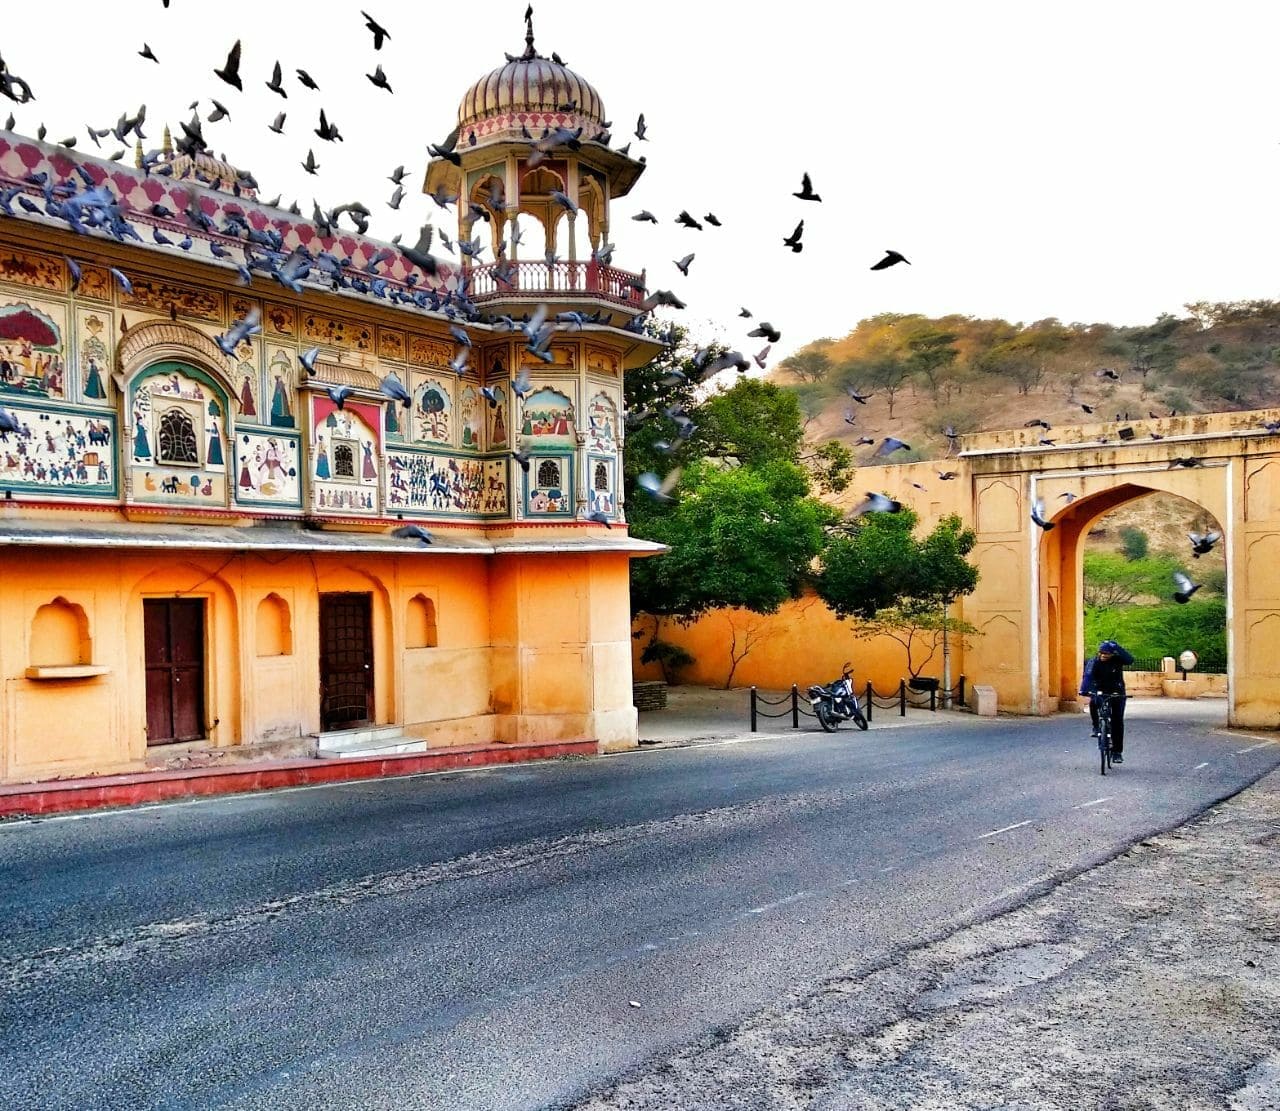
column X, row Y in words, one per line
column 174, row 639
column 346, row 661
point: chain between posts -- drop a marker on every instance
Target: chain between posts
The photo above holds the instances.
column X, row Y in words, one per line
column 871, row 698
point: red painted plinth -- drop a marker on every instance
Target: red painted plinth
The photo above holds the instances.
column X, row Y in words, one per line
column 94, row 792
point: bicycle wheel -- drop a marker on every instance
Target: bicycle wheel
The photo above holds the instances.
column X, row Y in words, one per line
column 823, row 713
column 1104, row 745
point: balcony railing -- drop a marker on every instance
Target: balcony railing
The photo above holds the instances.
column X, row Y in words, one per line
column 558, row 279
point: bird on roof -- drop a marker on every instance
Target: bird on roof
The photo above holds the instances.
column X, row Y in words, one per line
column 412, row 532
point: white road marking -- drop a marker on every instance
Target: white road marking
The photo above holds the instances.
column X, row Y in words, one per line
column 1006, row 829
column 1251, row 748
column 1095, row 802
column 1199, row 766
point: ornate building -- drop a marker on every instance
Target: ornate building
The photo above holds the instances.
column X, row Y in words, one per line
column 198, row 548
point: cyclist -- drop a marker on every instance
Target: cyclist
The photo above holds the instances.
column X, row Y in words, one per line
column 1104, row 673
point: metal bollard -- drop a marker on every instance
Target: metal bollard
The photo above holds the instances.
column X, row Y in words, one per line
column 933, row 699
column 902, row 698
column 871, row 691
column 753, row 709
column 961, row 699
column 795, row 707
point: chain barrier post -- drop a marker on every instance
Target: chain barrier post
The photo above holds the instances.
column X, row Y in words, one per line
column 933, row 699
column 902, row 698
column 871, row 693
column 753, row 709
column 795, row 707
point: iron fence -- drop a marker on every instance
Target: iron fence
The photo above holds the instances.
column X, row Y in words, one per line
column 868, row 700
column 1208, row 665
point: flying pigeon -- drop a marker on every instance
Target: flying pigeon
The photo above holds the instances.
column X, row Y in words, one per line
column 380, row 33
column 659, row 489
column 392, row 387
column 891, row 258
column 1037, row 515
column 767, row 331
column 890, row 445
column 230, row 71
column 793, row 240
column 1203, row 545
column 876, row 503
column 338, row 394
column 806, row 190
column 1186, row 588
column 239, row 332
column 1107, row 372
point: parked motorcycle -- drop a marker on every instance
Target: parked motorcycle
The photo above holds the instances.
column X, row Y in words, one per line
column 836, row 702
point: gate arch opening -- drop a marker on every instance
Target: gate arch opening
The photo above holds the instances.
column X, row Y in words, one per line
column 1062, row 620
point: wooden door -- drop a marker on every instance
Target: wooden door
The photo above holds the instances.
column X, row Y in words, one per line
column 174, row 650
column 346, row 661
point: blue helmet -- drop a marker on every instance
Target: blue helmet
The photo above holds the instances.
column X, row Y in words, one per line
column 1108, row 646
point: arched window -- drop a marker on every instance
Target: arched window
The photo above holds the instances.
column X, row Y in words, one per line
column 548, row 473
column 420, row 623
column 60, row 636
column 344, row 460
column 602, row 477
column 275, row 630
column 178, row 438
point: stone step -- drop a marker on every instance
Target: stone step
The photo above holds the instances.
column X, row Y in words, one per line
column 383, row 740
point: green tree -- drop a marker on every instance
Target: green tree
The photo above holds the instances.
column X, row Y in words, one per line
column 899, row 586
column 738, row 536
column 810, row 364
column 932, row 355
column 1135, row 543
column 753, row 422
column 887, row 375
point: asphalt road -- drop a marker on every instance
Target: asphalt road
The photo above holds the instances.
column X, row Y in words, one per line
column 519, row 937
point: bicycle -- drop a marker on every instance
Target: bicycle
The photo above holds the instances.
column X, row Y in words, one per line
column 1103, row 704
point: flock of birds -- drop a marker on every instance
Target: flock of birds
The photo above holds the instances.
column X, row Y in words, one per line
column 84, row 204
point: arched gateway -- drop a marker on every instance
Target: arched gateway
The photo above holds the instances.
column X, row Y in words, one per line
column 1028, row 600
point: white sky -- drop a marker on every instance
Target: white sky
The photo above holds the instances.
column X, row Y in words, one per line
column 1089, row 161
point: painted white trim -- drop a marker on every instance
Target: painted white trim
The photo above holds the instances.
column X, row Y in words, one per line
column 1034, row 576
column 1229, row 530
column 1137, row 468
column 1041, row 449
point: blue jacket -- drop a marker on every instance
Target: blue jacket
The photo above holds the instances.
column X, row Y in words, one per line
column 1106, row 675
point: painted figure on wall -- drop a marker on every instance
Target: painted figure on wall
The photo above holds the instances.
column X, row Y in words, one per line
column 368, row 470
column 469, row 411
column 548, row 419
column 31, row 353
column 322, row 459
column 281, row 414
column 141, row 444
column 248, row 403
column 213, row 457
column 93, row 381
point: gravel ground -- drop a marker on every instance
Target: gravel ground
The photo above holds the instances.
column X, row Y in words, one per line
column 1151, row 981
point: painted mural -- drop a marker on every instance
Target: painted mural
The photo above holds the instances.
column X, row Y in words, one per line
column 58, row 452
column 602, row 424
column 345, row 457
column 32, row 347
column 601, row 486
column 431, row 483
column 179, row 434
column 547, row 419
column 95, row 356
column 499, row 415
column 247, row 378
column 267, row 469
column 471, row 417
column 279, row 376
column 433, row 411
column 549, row 486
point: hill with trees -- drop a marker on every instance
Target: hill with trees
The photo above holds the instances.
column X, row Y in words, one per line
column 925, row 374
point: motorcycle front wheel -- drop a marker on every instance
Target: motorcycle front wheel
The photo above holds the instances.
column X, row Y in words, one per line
column 825, row 717
column 859, row 719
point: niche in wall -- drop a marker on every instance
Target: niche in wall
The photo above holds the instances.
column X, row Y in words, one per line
column 420, row 624
column 274, row 627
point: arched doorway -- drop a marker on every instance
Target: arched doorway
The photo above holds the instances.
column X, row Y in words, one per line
column 1067, row 632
